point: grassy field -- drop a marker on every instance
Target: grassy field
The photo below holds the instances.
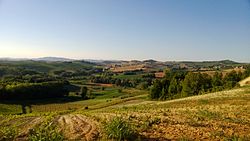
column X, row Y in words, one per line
column 216, row 116
column 98, row 97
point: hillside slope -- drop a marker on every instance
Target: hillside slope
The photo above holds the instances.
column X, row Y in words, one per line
column 245, row 81
column 216, row 116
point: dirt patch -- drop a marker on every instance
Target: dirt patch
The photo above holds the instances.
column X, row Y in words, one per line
column 78, row 127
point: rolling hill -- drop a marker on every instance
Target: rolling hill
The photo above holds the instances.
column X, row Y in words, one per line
column 215, row 116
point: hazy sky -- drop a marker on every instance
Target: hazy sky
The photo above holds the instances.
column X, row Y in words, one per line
column 126, row 29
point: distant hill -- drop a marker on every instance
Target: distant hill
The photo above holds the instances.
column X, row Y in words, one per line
column 13, row 59
column 150, row 61
column 211, row 63
column 53, row 59
column 222, row 62
column 7, row 67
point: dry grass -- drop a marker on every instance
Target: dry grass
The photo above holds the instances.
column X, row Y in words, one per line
column 217, row 116
column 128, row 68
column 245, row 82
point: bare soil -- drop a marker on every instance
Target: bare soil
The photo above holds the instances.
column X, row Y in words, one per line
column 78, row 127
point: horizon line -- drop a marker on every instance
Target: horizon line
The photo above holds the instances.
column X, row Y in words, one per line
column 78, row 59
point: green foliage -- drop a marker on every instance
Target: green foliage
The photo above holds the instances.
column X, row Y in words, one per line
column 156, row 90
column 217, row 82
column 103, row 88
column 45, row 133
column 174, row 87
column 203, row 101
column 31, row 67
column 193, row 84
column 8, row 133
column 34, row 90
column 246, row 72
column 208, row 114
column 143, row 85
column 119, row 90
column 84, row 91
column 131, row 81
column 231, row 79
column 119, row 129
column 237, row 138
column 184, row 139
column 178, row 84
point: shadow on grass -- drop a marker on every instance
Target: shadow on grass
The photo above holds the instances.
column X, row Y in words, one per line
column 60, row 100
column 27, row 104
column 144, row 138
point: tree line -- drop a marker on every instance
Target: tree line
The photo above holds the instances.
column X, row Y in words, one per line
column 19, row 91
column 144, row 81
column 178, row 84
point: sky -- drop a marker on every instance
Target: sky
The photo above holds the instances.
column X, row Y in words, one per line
column 165, row 30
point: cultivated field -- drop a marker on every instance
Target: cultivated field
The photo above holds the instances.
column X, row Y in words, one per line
column 216, row 116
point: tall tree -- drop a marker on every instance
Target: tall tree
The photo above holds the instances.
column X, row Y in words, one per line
column 156, row 90
column 192, row 84
column 84, row 91
column 217, row 81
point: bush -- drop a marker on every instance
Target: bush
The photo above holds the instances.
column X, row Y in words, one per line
column 8, row 133
column 45, row 133
column 119, row 90
column 119, row 129
column 84, row 91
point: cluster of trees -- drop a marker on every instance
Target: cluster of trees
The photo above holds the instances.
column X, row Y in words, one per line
column 123, row 82
column 16, row 71
column 79, row 72
column 34, row 90
column 38, row 78
column 183, row 84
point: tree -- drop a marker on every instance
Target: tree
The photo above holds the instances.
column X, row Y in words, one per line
column 192, row 84
column 231, row 79
column 84, row 91
column 205, row 81
column 217, row 81
column 156, row 90
column 173, row 87
column 143, row 86
column 246, row 72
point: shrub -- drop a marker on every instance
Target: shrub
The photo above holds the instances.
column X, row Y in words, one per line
column 103, row 88
column 119, row 90
column 119, row 129
column 45, row 133
column 8, row 133
column 84, row 91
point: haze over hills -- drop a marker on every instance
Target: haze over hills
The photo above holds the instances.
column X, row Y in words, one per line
column 53, row 59
column 64, row 59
